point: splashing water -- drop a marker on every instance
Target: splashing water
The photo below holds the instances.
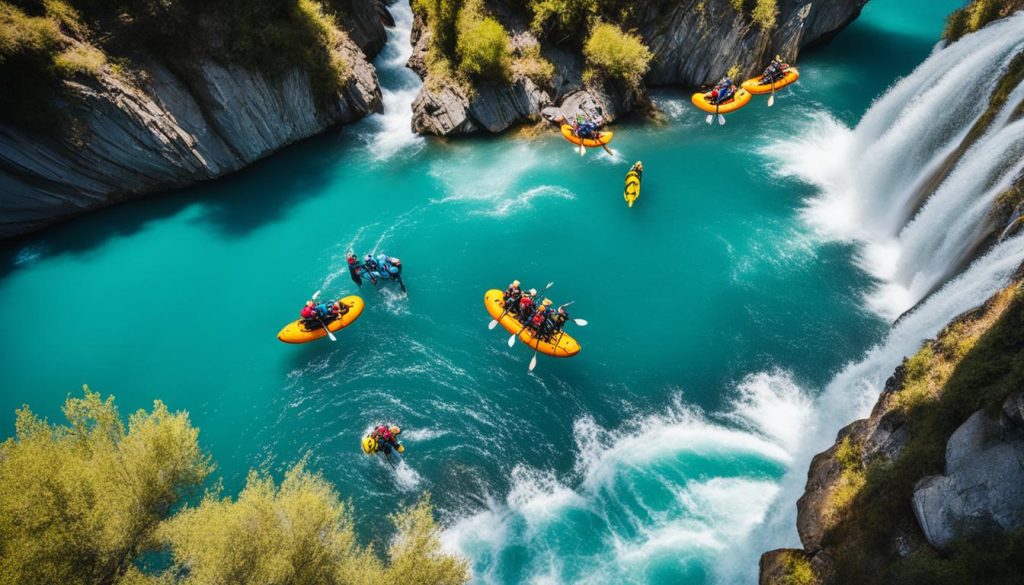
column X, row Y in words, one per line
column 869, row 178
column 391, row 131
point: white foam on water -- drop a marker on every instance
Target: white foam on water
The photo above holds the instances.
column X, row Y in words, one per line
column 406, row 478
column 869, row 177
column 391, row 131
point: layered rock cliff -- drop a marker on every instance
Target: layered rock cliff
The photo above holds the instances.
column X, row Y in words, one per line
column 692, row 42
column 160, row 124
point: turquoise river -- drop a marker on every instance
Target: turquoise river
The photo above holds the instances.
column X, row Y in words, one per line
column 716, row 315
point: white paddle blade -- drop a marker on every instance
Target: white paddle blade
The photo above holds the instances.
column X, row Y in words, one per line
column 583, row 150
column 512, row 341
column 721, row 120
column 771, row 100
column 492, row 324
column 315, row 295
column 331, row 336
column 533, row 362
column 710, row 118
column 581, row 322
column 550, row 284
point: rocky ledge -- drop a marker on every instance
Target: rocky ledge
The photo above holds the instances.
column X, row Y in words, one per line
column 692, row 42
column 157, row 127
column 939, row 463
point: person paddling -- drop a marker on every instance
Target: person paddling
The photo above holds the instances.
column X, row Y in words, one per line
column 511, row 297
column 526, row 305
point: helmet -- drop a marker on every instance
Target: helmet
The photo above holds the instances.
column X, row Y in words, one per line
column 778, row 58
column 369, row 445
column 533, row 292
column 395, row 430
column 515, row 283
column 547, row 303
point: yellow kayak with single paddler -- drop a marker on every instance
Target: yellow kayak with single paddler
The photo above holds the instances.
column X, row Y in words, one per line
column 703, row 101
column 494, row 300
column 757, row 86
column 297, row 332
column 632, row 191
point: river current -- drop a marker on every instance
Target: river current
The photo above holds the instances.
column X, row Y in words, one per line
column 738, row 314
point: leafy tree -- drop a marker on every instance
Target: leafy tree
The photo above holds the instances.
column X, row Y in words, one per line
column 300, row 533
column 483, row 45
column 79, row 502
column 612, row 52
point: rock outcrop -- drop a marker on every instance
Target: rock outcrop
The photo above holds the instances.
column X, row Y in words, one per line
column 982, row 490
column 159, row 128
column 693, row 42
column 870, row 499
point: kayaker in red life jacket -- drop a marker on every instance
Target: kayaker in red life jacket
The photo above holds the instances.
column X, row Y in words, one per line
column 387, row 438
column 308, row 312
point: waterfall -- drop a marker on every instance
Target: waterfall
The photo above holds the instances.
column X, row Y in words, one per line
column 878, row 182
column 389, row 133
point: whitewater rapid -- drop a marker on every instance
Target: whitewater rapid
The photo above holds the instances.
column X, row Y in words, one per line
column 684, row 492
column 874, row 180
column 390, row 133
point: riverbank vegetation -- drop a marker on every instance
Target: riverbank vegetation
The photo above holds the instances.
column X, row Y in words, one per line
column 97, row 500
column 975, row 363
column 976, row 15
column 467, row 43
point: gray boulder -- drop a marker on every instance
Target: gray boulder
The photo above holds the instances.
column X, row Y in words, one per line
column 982, row 490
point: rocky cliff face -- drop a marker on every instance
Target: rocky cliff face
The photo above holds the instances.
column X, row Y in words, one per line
column 158, row 128
column 696, row 41
column 693, row 42
column 939, row 461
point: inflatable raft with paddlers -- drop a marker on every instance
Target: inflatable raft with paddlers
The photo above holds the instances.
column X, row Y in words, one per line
column 632, row 191
column 306, row 330
column 760, row 86
column 561, row 345
column 733, row 103
column 603, row 138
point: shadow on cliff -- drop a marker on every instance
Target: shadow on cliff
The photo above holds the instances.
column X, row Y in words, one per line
column 232, row 206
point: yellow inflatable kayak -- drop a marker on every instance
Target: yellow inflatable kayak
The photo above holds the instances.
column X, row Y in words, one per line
column 602, row 139
column 632, row 191
column 756, row 87
column 703, row 101
column 567, row 346
column 297, row 332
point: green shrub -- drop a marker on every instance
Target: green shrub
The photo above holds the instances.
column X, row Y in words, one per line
column 765, row 14
column 440, row 17
column 80, row 59
column 482, row 45
column 78, row 502
column 617, row 54
column 529, row 63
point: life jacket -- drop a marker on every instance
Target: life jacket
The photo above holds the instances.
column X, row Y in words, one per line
column 308, row 312
column 525, row 303
column 538, row 318
column 385, row 433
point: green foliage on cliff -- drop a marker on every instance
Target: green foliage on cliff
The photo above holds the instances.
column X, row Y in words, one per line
column 764, row 13
column 79, row 501
column 976, row 15
column 973, row 364
column 617, row 54
column 90, row 501
column 45, row 43
column 482, row 46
